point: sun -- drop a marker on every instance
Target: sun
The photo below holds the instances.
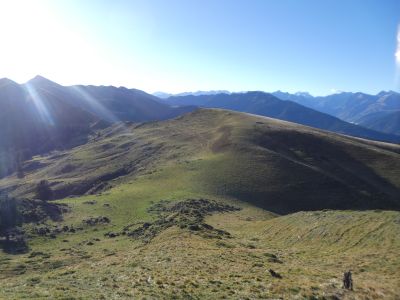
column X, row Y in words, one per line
column 22, row 24
column 37, row 39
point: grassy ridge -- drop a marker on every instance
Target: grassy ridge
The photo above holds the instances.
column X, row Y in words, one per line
column 276, row 165
column 251, row 163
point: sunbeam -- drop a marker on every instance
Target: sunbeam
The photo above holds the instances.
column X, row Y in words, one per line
column 397, row 58
column 39, row 105
column 397, row 54
column 95, row 105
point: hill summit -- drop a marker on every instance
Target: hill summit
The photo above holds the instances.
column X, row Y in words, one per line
column 280, row 166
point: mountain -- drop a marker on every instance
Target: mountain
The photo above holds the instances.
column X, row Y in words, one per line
column 279, row 166
column 162, row 95
column 198, row 93
column 110, row 103
column 304, row 98
column 33, row 122
column 41, row 115
column 264, row 104
column 353, row 107
column 388, row 122
column 214, row 204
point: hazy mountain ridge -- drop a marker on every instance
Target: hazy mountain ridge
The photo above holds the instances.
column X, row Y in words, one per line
column 382, row 121
column 29, row 126
column 41, row 115
column 355, row 107
column 163, row 95
column 268, row 105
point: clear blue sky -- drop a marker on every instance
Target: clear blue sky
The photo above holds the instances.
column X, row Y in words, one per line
column 185, row 45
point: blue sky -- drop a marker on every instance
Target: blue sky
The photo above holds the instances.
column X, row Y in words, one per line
column 187, row 45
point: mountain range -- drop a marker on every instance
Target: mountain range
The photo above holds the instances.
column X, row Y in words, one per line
column 41, row 115
column 265, row 104
column 163, row 95
column 378, row 112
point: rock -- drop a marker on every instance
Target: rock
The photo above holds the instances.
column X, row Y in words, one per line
column 97, row 220
column 194, row 227
column 90, row 202
column 42, row 230
column 188, row 214
column 111, row 234
column 146, row 225
column 275, row 274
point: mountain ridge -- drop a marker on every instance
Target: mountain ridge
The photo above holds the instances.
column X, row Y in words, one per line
column 41, row 115
column 354, row 107
column 268, row 105
column 277, row 165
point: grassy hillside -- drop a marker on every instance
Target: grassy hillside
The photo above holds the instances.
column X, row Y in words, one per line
column 146, row 233
column 309, row 250
column 276, row 165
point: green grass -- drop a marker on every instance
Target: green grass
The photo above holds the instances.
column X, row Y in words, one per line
column 273, row 164
column 314, row 248
column 227, row 157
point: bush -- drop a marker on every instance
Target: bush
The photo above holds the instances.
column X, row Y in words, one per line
column 9, row 215
column 44, row 191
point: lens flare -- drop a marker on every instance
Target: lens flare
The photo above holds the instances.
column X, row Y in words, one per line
column 95, row 105
column 397, row 54
column 40, row 105
column 397, row 58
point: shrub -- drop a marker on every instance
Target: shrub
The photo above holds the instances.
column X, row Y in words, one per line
column 9, row 215
column 44, row 191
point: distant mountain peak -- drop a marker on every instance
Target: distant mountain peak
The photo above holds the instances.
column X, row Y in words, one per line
column 6, row 81
column 163, row 95
column 304, row 94
column 385, row 93
column 38, row 79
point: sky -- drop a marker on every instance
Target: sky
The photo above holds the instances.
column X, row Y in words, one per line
column 319, row 46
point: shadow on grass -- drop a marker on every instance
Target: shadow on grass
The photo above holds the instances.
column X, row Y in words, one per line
column 14, row 246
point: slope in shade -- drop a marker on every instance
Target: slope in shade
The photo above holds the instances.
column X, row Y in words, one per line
column 41, row 115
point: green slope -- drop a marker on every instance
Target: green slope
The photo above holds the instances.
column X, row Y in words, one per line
column 280, row 166
column 249, row 162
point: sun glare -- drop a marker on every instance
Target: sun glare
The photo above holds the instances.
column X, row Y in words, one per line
column 397, row 54
column 40, row 105
column 36, row 40
column 94, row 104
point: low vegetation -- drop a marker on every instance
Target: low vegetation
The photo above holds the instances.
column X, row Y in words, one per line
column 209, row 206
